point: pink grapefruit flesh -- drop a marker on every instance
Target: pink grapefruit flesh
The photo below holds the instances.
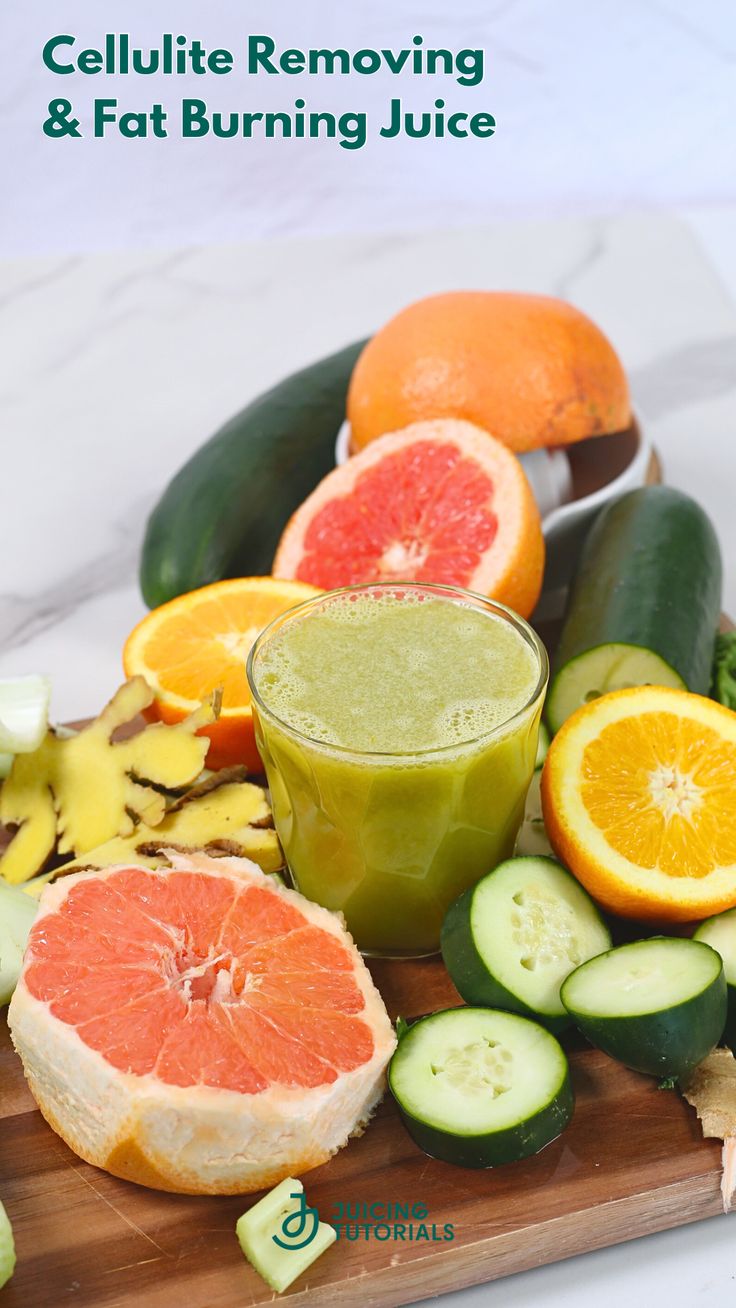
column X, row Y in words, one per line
column 438, row 502
column 199, row 1029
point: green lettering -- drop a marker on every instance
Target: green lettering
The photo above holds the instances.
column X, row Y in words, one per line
column 260, row 49
column 49, row 51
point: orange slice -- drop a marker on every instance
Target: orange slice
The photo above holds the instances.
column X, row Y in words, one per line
column 200, row 642
column 639, row 800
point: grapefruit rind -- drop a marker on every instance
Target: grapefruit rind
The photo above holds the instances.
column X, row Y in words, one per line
column 645, row 894
column 194, row 1139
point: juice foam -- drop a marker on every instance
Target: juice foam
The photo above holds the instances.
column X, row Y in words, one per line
column 396, row 674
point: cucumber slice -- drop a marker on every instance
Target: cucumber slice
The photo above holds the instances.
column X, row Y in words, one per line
column 477, row 1088
column 720, row 933
column 281, row 1237
column 645, row 604
column 511, row 940
column 7, row 1248
column 658, row 1005
column 542, row 746
column 604, row 668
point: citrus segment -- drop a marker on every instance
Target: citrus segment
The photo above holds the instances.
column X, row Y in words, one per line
column 438, row 502
column 531, row 369
column 199, row 643
column 637, row 793
column 141, row 985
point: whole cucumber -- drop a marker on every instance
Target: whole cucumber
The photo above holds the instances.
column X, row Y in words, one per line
column 645, row 603
column 225, row 510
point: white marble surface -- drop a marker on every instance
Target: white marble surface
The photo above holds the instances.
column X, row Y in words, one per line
column 116, row 366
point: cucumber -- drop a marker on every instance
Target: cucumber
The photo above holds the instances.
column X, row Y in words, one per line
column 478, row 1088
column 720, row 933
column 645, row 604
column 225, row 510
column 511, row 940
column 657, row 1005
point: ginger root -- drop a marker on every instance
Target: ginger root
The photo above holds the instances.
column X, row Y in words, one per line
column 76, row 792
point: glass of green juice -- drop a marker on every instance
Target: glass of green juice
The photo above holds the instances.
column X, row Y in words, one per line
column 398, row 726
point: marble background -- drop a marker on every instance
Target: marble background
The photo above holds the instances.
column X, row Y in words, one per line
column 148, row 290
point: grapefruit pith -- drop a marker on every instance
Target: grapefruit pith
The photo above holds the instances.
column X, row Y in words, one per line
column 437, row 502
column 201, row 1029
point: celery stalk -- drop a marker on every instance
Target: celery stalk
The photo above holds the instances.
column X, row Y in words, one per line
column 7, row 1248
column 24, row 713
column 17, row 912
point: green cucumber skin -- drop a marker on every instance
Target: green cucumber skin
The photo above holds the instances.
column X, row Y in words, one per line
column 470, row 975
column 650, row 575
column 665, row 1044
column 223, row 513
column 508, row 1146
column 493, row 1149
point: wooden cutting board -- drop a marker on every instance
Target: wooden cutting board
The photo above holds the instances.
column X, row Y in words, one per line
column 632, row 1162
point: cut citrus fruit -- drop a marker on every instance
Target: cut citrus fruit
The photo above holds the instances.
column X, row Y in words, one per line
column 638, row 800
column 201, row 1030
column 198, row 643
column 531, row 369
column 440, row 502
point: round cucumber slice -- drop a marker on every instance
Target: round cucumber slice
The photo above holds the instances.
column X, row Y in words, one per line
column 720, row 933
column 532, row 839
column 658, row 1005
column 511, row 940
column 479, row 1088
column 614, row 666
column 7, row 1248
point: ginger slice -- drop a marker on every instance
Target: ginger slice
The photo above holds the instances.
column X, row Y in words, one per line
column 75, row 792
column 230, row 819
column 711, row 1089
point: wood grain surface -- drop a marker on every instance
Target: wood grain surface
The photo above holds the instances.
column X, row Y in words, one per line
column 632, row 1162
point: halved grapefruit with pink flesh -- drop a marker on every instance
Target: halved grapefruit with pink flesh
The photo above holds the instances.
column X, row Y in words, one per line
column 201, row 1029
column 437, row 502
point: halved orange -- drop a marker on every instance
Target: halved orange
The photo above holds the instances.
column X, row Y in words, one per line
column 199, row 642
column 639, row 800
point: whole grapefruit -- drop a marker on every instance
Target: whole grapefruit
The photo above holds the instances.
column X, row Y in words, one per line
column 530, row 369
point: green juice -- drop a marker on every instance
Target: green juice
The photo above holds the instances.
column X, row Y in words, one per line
column 398, row 728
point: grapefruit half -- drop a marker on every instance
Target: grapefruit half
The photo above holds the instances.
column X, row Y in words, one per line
column 201, row 1029
column 437, row 502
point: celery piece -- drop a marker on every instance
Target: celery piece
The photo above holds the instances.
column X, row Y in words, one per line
column 7, row 1248
column 17, row 912
column 6, row 763
column 281, row 1237
column 24, row 713
column 724, row 669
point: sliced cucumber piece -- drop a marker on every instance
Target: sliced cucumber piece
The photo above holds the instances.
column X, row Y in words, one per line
column 511, row 940
column 7, row 1248
column 720, row 933
column 17, row 912
column 656, row 1005
column 606, row 667
column 542, row 746
column 477, row 1087
column 281, row 1237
